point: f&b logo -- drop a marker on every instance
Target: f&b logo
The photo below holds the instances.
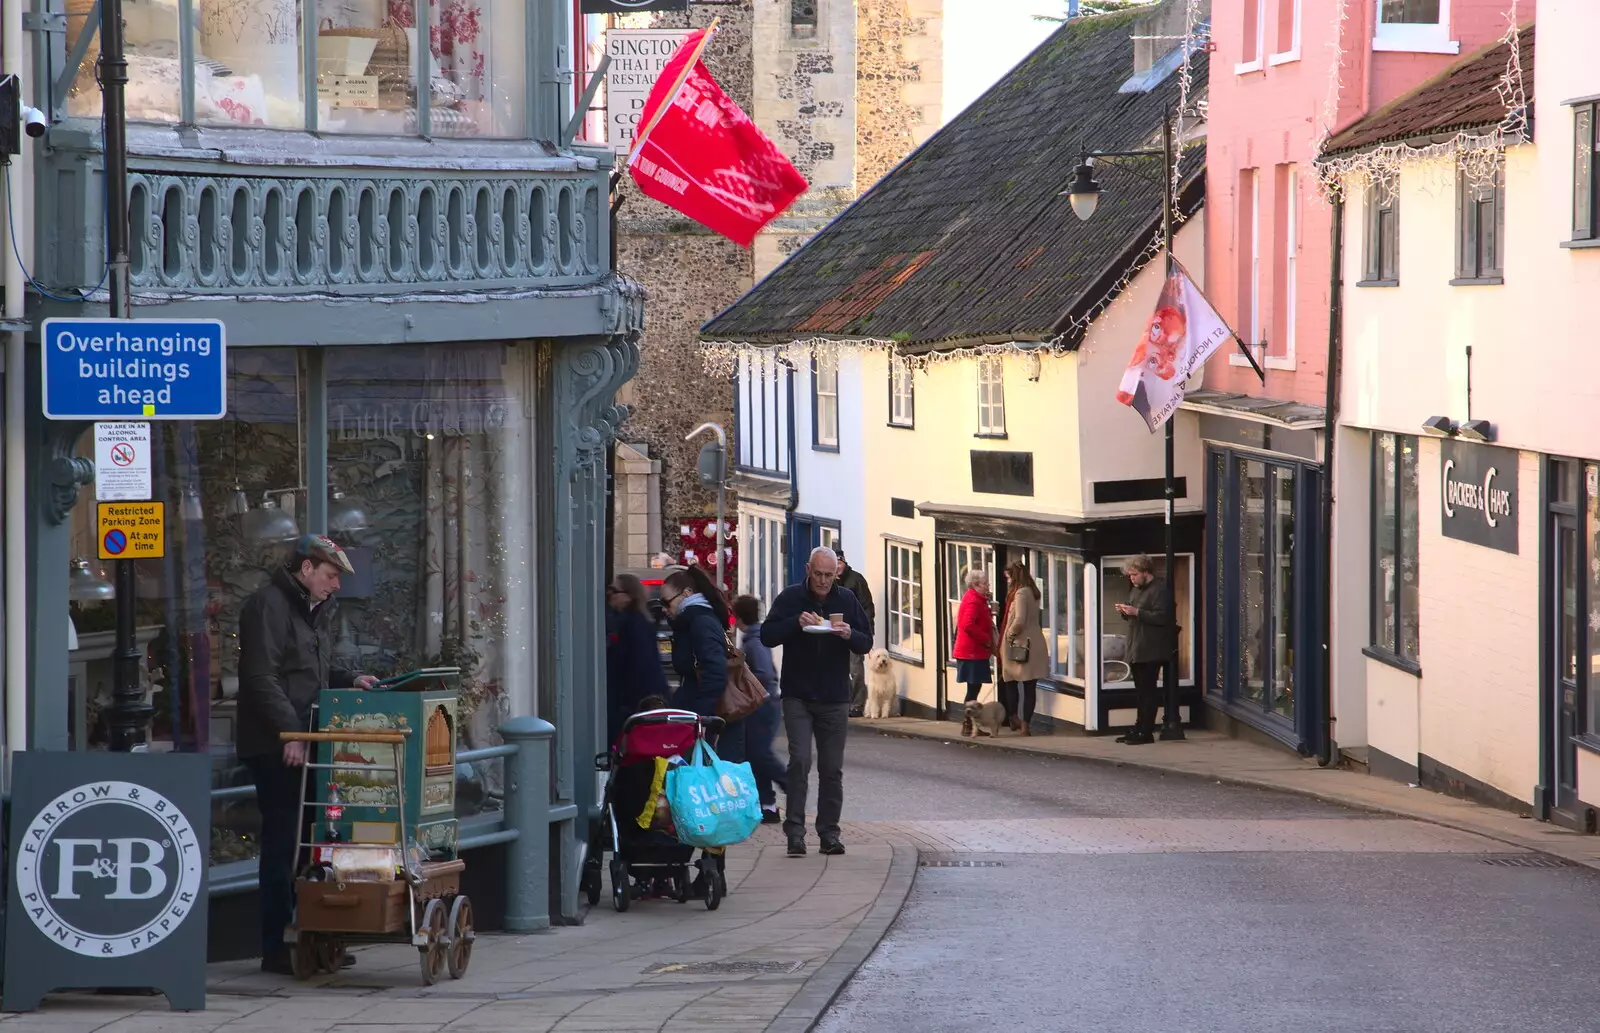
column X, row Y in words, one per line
column 108, row 869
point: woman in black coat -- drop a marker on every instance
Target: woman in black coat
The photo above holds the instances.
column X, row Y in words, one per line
column 700, row 624
column 633, row 663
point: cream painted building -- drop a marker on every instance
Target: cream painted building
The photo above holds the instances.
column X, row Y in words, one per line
column 1467, row 536
column 931, row 511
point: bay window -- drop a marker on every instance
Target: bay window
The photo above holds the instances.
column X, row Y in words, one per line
column 245, row 60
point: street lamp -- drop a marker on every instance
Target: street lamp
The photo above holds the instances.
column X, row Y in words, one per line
column 713, row 470
column 1084, row 193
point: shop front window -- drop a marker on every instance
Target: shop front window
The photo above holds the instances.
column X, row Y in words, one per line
column 960, row 557
column 903, row 584
column 1115, row 588
column 1066, row 617
column 1591, row 480
column 248, row 60
column 427, row 485
column 1256, row 533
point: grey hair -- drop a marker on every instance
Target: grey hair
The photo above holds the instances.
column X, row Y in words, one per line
column 821, row 550
column 973, row 575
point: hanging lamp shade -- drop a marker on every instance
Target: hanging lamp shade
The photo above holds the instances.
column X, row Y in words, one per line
column 270, row 524
column 86, row 585
column 238, row 502
column 346, row 515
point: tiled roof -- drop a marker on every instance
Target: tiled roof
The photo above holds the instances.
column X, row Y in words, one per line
column 967, row 238
column 1463, row 96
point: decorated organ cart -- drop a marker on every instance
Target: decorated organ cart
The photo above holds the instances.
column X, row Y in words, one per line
column 380, row 864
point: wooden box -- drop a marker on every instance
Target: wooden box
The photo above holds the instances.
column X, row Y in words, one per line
column 348, row 907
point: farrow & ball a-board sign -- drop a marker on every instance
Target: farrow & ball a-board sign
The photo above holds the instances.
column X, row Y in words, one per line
column 109, row 855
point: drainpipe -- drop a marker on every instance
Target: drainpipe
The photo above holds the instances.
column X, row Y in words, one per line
column 1329, row 752
column 16, row 452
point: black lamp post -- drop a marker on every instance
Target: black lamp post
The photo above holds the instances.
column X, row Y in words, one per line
column 1084, row 193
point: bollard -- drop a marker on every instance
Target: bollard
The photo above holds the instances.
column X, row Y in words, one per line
column 528, row 811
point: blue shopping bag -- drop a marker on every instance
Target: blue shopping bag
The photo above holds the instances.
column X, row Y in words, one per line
column 713, row 802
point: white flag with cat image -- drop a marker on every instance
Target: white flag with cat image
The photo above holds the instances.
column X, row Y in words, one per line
column 1181, row 335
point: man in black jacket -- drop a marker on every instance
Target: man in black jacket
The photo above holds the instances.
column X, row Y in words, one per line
column 850, row 578
column 285, row 660
column 1152, row 642
column 816, row 691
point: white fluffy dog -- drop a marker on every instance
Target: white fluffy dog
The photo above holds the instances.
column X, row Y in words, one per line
column 881, row 690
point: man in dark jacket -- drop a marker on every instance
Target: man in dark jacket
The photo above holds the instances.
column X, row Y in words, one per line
column 1152, row 641
column 850, row 578
column 285, row 660
column 816, row 691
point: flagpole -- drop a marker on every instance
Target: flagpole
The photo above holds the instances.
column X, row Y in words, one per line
column 1172, row 723
column 672, row 95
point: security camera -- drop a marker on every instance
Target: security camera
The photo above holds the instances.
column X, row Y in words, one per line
column 33, row 121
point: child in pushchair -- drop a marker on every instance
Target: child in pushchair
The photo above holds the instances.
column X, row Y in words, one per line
column 635, row 823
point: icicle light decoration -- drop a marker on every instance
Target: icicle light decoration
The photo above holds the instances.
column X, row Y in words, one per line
column 1479, row 154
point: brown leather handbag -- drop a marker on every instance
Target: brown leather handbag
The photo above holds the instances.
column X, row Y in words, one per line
column 744, row 694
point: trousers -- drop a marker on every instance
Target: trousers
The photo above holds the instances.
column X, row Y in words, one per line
column 829, row 725
column 278, row 799
column 1019, row 699
column 1146, row 696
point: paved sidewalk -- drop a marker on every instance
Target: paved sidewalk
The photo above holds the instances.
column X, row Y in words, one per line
column 1237, row 762
column 772, row 957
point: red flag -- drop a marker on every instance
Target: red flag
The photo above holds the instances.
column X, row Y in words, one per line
column 699, row 153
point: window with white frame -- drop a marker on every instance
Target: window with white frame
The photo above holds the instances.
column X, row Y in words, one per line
column 1066, row 615
column 1286, row 47
column 761, row 555
column 1396, row 573
column 829, row 537
column 1382, row 259
column 1249, row 255
column 1418, row 26
column 902, row 564
column 825, row 401
column 1253, row 38
column 991, row 397
column 1280, row 352
column 902, row 399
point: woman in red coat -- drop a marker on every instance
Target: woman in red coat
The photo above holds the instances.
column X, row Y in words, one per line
column 975, row 639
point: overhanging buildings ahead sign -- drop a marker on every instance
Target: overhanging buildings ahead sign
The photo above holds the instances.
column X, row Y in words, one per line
column 107, row 369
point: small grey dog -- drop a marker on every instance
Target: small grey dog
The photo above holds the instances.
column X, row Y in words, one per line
column 986, row 717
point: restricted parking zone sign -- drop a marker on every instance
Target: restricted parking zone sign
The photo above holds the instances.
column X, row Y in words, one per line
column 132, row 530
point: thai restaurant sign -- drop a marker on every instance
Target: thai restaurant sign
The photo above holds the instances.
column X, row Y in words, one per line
column 637, row 57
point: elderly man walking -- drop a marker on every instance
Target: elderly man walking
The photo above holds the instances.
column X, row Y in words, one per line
column 820, row 625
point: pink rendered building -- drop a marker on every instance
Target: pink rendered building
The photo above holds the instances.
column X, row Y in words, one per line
column 1285, row 73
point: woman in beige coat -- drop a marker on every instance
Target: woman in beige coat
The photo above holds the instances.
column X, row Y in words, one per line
column 1023, row 658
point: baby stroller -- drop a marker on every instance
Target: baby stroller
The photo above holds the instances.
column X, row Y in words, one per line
column 652, row 854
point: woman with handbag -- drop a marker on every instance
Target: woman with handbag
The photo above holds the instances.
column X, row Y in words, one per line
column 1023, row 659
column 700, row 624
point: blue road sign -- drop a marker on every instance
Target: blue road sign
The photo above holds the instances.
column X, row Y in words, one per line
column 109, row 369
column 116, row 541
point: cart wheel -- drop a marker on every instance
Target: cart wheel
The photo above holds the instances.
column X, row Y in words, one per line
column 461, row 936
column 714, row 884
column 329, row 952
column 619, row 884
column 433, row 953
column 304, row 956
column 683, row 884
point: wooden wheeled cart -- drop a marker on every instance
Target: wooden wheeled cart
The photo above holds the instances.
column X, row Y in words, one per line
column 363, row 874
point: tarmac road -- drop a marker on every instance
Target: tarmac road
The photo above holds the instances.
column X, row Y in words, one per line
column 1102, row 899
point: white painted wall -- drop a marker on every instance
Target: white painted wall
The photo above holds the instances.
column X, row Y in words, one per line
column 833, row 484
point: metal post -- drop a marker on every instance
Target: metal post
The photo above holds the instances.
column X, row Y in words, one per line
column 128, row 713
column 1172, row 721
column 527, row 809
column 722, row 492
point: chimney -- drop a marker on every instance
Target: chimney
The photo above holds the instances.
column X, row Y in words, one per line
column 1165, row 20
